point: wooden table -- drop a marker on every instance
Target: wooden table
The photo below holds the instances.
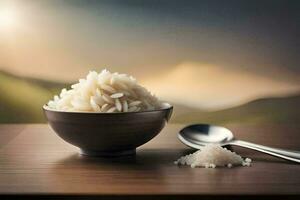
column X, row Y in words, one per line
column 34, row 161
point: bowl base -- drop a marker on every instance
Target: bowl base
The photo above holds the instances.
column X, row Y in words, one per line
column 86, row 152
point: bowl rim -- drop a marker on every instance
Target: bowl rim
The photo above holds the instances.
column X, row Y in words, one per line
column 168, row 106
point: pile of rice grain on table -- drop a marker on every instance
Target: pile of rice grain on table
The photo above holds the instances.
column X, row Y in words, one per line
column 105, row 92
column 212, row 156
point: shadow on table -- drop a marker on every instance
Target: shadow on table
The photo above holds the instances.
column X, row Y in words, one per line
column 150, row 165
column 144, row 159
column 152, row 158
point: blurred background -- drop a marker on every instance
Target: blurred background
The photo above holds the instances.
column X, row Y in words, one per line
column 233, row 61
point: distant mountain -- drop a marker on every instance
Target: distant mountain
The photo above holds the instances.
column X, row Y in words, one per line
column 47, row 84
column 180, row 110
column 268, row 110
column 21, row 98
column 213, row 87
column 21, row 101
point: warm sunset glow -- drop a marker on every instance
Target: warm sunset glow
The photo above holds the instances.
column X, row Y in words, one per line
column 212, row 87
column 8, row 18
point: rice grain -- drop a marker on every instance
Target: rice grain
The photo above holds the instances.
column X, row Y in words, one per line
column 212, row 156
column 105, row 92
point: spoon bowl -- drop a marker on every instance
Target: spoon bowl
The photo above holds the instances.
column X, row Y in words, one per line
column 203, row 134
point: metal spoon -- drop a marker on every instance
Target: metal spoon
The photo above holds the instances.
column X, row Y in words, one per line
column 199, row 135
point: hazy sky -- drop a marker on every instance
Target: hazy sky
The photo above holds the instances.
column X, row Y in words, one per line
column 61, row 40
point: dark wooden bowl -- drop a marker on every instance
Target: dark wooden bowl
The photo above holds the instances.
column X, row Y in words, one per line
column 108, row 134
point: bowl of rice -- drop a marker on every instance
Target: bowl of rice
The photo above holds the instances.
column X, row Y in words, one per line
column 107, row 114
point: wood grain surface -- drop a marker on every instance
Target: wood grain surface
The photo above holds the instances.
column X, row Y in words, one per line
column 35, row 161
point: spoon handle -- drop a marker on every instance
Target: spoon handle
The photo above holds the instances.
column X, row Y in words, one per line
column 281, row 153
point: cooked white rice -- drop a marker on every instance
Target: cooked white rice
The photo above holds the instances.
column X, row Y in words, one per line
column 105, row 92
column 211, row 156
